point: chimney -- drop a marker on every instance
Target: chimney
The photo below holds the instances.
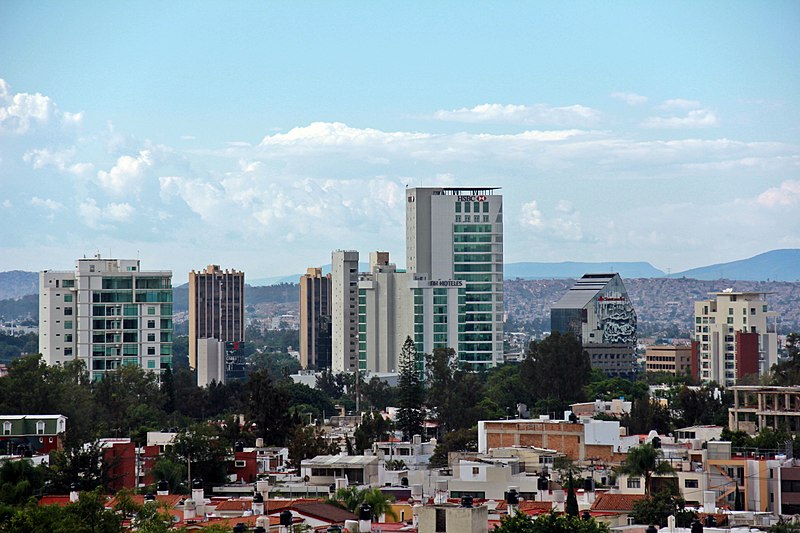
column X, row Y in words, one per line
column 199, row 496
column 189, row 510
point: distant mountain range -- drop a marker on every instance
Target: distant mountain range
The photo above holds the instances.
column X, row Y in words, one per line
column 777, row 265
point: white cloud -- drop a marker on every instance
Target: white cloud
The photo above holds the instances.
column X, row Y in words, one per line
column 522, row 114
column 7, row 204
column 125, row 176
column 95, row 216
column 678, row 103
column 698, row 118
column 47, row 203
column 632, row 99
column 19, row 112
column 531, row 215
column 61, row 159
column 785, row 195
column 337, row 134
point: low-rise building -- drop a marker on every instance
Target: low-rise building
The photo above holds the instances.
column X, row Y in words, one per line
column 756, row 407
column 678, row 360
column 326, row 469
column 616, row 407
column 39, row 434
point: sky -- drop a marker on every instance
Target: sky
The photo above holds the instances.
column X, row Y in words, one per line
column 262, row 135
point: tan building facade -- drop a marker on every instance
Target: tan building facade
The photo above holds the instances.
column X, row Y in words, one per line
column 677, row 360
column 216, row 307
column 756, row 407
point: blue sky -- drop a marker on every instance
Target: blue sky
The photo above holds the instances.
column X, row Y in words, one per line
column 666, row 132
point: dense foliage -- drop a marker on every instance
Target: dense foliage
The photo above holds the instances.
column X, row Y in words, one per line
column 549, row 523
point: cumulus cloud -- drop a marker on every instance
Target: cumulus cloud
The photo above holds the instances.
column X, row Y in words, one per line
column 785, row 195
column 61, row 159
column 632, row 99
column 336, row 134
column 564, row 226
column 697, row 118
column 19, row 112
column 125, row 176
column 522, row 114
column 47, row 203
column 95, row 216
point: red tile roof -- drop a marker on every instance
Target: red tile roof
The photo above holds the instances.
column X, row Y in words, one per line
column 324, row 511
column 528, row 507
column 616, row 502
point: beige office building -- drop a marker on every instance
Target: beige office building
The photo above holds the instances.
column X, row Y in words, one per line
column 216, row 307
column 671, row 359
column 344, row 310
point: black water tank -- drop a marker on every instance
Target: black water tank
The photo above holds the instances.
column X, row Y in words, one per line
column 697, row 527
column 586, row 516
column 239, row 446
column 163, row 486
column 711, row 521
column 259, row 529
column 466, row 501
column 197, row 483
column 588, row 484
column 542, row 483
column 512, row 497
column 258, row 498
column 239, row 528
column 286, row 518
column 651, row 529
column 150, row 497
column 656, row 442
column 365, row 512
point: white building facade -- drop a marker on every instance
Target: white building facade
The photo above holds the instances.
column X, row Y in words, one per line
column 395, row 305
column 736, row 335
column 457, row 234
column 107, row 313
column 344, row 310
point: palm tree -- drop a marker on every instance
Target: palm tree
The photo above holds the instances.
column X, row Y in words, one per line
column 351, row 498
column 644, row 461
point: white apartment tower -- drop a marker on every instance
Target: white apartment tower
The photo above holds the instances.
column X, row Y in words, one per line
column 736, row 335
column 457, row 234
column 344, row 310
column 107, row 313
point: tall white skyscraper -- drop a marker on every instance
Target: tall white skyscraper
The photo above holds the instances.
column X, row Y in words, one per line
column 344, row 310
column 457, row 234
column 107, row 313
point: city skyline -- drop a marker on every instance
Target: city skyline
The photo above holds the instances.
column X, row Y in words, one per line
column 618, row 132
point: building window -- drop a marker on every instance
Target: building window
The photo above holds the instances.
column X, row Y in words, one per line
column 151, row 310
column 691, row 483
column 151, row 337
column 68, row 311
column 6, row 428
column 634, row 482
column 68, row 324
column 151, row 324
column 40, row 427
column 151, row 350
column 476, row 470
column 151, row 364
column 68, row 298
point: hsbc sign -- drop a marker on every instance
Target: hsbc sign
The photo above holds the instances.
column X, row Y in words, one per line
column 477, row 198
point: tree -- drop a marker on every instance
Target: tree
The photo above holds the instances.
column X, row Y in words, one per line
column 19, row 480
column 646, row 415
column 655, row 510
column 268, row 407
column 306, row 442
column 454, row 394
column 784, row 527
column 571, row 505
column 787, row 372
column 201, row 450
column 644, row 461
column 351, row 498
column 327, row 383
column 548, row 523
column 410, row 392
column 556, row 368
column 373, row 428
column 377, row 393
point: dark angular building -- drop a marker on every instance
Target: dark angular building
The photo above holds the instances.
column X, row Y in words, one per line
column 597, row 310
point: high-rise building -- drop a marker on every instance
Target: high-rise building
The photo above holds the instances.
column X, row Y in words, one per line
column 597, row 310
column 216, row 307
column 107, row 313
column 344, row 310
column 394, row 305
column 315, row 319
column 737, row 336
column 456, row 234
